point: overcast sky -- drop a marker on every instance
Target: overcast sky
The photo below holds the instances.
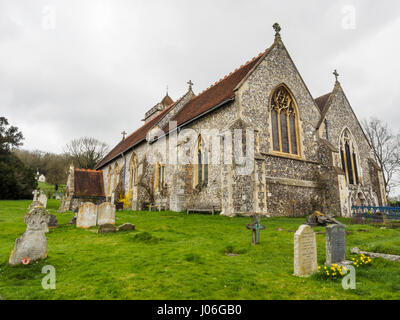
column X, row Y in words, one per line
column 93, row 68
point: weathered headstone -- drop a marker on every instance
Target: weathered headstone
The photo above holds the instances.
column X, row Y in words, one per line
column 53, row 222
column 105, row 228
column 335, row 243
column 106, row 213
column 43, row 199
column 87, row 216
column 256, row 226
column 305, row 251
column 126, row 227
column 389, row 257
column 32, row 245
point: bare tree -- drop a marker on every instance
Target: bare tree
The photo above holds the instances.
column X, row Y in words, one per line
column 386, row 149
column 86, row 152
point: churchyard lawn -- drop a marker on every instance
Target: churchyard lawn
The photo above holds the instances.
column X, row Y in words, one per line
column 47, row 187
column 179, row 256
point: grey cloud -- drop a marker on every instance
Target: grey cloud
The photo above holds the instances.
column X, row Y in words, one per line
column 107, row 62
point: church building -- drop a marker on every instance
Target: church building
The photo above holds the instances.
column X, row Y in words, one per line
column 306, row 154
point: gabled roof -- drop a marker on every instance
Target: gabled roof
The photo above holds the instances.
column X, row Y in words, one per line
column 218, row 93
column 133, row 139
column 322, row 101
column 88, row 183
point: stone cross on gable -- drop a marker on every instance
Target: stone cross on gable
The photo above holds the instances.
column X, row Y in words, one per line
column 256, row 226
column 35, row 194
column 336, row 74
column 190, row 83
column 123, row 135
column 277, row 28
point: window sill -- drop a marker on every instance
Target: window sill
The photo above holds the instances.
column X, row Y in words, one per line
column 285, row 155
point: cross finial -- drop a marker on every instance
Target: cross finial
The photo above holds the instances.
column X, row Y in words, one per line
column 190, row 83
column 336, row 74
column 277, row 29
column 123, row 135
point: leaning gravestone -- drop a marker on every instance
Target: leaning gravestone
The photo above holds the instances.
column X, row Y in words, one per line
column 305, row 251
column 106, row 213
column 43, row 199
column 87, row 216
column 126, row 227
column 32, row 245
column 106, row 228
column 335, row 244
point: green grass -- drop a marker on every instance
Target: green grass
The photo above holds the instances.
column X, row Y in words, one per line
column 175, row 256
column 47, row 187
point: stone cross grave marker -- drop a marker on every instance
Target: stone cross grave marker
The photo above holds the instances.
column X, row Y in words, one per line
column 335, row 243
column 32, row 245
column 106, row 213
column 305, row 251
column 256, row 226
column 87, row 216
column 35, row 194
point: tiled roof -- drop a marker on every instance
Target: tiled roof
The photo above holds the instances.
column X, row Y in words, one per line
column 133, row 139
column 88, row 183
column 321, row 101
column 219, row 92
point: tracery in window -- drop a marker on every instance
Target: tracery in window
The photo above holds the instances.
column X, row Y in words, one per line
column 284, row 122
column 348, row 154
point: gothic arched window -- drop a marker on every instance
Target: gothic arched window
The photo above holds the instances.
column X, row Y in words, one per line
column 201, row 174
column 284, row 122
column 160, row 176
column 116, row 174
column 348, row 155
column 133, row 171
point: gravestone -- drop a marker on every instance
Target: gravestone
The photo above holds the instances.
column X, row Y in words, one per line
column 126, row 227
column 106, row 213
column 106, row 228
column 335, row 244
column 256, row 226
column 32, row 245
column 305, row 251
column 43, row 199
column 35, row 194
column 87, row 216
column 53, row 222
